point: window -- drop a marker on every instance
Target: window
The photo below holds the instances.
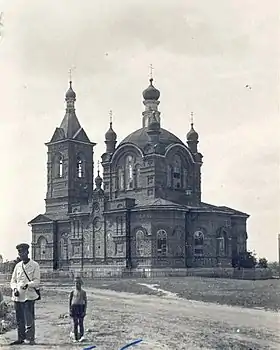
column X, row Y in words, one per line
column 137, row 176
column 177, row 172
column 60, row 168
column 119, row 225
column 76, row 250
column 161, row 242
column 198, row 243
column 225, row 243
column 222, row 243
column 185, row 178
column 140, row 243
column 120, row 179
column 169, row 178
column 198, row 252
column 76, row 228
column 80, row 168
column 42, row 248
column 198, row 238
column 150, row 180
column 63, row 249
column 129, row 172
column 118, row 248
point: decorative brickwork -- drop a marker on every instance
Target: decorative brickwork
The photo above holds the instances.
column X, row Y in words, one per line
column 146, row 212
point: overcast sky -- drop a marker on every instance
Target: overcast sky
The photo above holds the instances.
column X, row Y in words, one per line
column 204, row 54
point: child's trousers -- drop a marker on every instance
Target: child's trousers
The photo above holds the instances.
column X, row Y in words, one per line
column 78, row 314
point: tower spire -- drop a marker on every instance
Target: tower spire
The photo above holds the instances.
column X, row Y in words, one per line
column 151, row 115
column 110, row 136
column 70, row 123
column 192, row 137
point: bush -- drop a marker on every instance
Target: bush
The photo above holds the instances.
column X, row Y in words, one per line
column 263, row 263
column 245, row 260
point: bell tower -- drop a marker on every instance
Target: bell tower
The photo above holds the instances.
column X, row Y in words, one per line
column 70, row 163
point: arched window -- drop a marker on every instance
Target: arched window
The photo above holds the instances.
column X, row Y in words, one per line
column 129, row 172
column 120, row 225
column 185, row 179
column 177, row 176
column 42, row 242
column 80, row 167
column 222, row 242
column 198, row 243
column 63, row 249
column 169, row 176
column 225, row 243
column 120, row 179
column 137, row 176
column 139, row 235
column 161, row 242
column 60, row 169
column 58, row 166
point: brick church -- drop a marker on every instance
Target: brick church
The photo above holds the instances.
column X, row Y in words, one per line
column 146, row 211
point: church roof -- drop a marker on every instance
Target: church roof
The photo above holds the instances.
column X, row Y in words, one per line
column 70, row 124
column 40, row 219
column 157, row 203
column 141, row 138
column 70, row 127
column 224, row 209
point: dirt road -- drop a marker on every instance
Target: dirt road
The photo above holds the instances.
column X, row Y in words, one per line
column 115, row 319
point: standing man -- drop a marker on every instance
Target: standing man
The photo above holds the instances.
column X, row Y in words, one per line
column 25, row 291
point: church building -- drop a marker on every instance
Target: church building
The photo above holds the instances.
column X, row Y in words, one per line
column 145, row 213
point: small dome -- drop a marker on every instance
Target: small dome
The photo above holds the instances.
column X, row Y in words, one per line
column 151, row 93
column 98, row 180
column 110, row 134
column 192, row 135
column 70, row 93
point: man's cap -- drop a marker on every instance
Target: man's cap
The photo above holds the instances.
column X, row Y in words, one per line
column 22, row 246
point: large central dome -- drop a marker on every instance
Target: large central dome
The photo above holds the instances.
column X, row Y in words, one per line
column 141, row 138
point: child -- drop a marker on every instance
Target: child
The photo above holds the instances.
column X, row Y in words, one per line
column 77, row 308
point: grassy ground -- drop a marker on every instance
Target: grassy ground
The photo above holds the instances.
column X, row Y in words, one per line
column 251, row 294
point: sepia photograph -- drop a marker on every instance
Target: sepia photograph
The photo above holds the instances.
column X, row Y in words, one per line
column 140, row 181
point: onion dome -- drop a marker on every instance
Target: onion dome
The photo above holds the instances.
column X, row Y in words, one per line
column 192, row 135
column 70, row 94
column 110, row 134
column 98, row 180
column 151, row 93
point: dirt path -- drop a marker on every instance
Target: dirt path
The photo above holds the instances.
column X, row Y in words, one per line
column 162, row 322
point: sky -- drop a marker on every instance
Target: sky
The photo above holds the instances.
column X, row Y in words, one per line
column 204, row 53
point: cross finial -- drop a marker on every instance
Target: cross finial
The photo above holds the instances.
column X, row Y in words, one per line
column 151, row 71
column 70, row 74
column 191, row 118
column 98, row 165
column 111, row 116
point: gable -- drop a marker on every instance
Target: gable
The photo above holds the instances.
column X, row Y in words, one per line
column 40, row 219
column 58, row 135
column 81, row 136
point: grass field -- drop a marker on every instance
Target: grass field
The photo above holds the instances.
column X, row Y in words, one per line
column 251, row 294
